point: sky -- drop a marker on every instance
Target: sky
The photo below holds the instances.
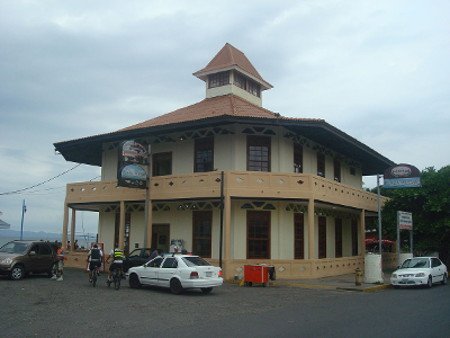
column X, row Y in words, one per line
column 377, row 70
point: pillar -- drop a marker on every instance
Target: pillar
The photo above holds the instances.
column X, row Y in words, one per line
column 362, row 233
column 65, row 225
column 122, row 225
column 227, row 217
column 72, row 229
column 149, row 223
column 311, row 226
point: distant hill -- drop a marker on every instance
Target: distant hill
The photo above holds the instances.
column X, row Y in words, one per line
column 7, row 233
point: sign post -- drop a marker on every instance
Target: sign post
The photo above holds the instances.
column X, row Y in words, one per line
column 404, row 222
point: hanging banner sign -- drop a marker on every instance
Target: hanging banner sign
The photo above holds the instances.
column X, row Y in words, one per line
column 133, row 152
column 132, row 159
column 402, row 176
column 404, row 220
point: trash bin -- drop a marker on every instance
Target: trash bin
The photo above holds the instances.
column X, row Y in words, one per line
column 256, row 274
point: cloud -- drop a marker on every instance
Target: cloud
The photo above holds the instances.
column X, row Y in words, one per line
column 379, row 71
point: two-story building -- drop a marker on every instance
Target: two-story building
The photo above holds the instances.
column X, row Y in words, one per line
column 234, row 182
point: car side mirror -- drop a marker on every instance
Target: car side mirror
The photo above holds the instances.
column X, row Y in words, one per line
column 32, row 253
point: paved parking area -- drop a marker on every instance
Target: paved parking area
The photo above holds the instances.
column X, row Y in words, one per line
column 40, row 307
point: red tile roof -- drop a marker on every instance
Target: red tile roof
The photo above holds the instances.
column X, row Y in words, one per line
column 230, row 57
column 228, row 105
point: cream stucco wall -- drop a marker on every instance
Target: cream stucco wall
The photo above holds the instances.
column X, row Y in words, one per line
column 230, row 153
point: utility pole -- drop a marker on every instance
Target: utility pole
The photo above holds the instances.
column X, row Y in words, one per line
column 24, row 210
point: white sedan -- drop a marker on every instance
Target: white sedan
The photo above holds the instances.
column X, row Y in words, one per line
column 177, row 272
column 419, row 271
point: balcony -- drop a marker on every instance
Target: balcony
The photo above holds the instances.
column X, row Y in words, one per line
column 236, row 184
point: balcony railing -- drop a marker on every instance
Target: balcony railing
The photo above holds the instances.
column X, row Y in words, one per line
column 236, row 184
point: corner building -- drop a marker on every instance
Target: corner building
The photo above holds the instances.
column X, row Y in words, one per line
column 236, row 183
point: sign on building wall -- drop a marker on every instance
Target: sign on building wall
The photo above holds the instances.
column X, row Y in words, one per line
column 402, row 176
column 131, row 167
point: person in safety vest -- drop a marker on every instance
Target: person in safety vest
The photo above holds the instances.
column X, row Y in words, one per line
column 95, row 256
column 117, row 257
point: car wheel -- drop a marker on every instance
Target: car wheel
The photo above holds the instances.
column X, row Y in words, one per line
column 206, row 290
column 444, row 279
column 430, row 282
column 134, row 282
column 175, row 286
column 17, row 272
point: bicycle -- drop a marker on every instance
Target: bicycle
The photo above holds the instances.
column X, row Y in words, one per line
column 94, row 276
column 116, row 278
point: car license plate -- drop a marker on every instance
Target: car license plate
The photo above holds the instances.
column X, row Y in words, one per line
column 208, row 273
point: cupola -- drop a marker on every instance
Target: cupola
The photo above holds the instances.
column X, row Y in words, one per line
column 230, row 72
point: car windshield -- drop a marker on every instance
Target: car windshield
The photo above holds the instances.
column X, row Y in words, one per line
column 14, row 247
column 195, row 261
column 416, row 263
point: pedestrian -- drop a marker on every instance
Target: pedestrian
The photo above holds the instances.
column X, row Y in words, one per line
column 60, row 263
column 154, row 254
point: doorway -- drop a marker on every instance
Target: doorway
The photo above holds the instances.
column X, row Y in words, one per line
column 160, row 237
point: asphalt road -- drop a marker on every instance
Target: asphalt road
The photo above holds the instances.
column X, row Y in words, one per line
column 40, row 307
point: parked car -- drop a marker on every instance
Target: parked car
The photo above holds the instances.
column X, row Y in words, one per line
column 18, row 258
column 420, row 271
column 177, row 272
column 136, row 257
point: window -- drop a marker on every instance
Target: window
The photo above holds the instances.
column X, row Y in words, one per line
column 338, row 237
column 298, row 158
column 204, row 154
column 322, row 237
column 320, row 164
column 201, row 238
column 219, row 79
column 354, row 237
column 162, row 164
column 258, row 234
column 44, row 249
column 156, row 263
column 170, row 263
column 258, row 153
column 299, row 240
column 239, row 80
column 253, row 88
column 337, row 170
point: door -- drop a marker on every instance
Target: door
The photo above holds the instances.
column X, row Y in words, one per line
column 160, row 237
column 167, row 271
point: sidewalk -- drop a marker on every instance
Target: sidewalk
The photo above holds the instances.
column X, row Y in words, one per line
column 344, row 282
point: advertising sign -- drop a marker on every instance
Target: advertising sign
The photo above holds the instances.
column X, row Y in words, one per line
column 132, row 160
column 402, row 176
column 133, row 152
column 404, row 220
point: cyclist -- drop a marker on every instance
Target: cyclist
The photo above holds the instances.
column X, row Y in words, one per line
column 117, row 256
column 95, row 259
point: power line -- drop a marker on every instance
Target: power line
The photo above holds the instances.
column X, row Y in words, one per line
column 18, row 191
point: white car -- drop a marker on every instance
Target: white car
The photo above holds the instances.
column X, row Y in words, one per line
column 419, row 271
column 177, row 272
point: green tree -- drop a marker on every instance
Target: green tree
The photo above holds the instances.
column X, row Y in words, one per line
column 430, row 206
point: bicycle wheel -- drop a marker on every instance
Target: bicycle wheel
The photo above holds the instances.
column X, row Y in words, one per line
column 94, row 278
column 117, row 278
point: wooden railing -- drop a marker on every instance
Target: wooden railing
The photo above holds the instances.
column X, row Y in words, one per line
column 236, row 184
